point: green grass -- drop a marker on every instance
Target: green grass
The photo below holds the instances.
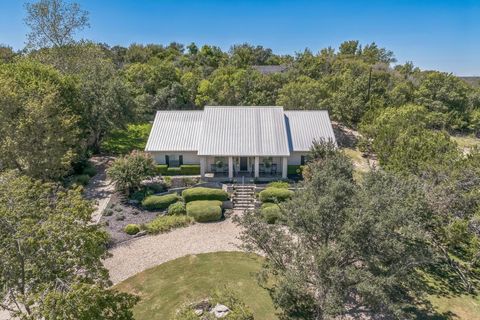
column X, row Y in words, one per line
column 466, row 142
column 134, row 137
column 165, row 288
column 463, row 307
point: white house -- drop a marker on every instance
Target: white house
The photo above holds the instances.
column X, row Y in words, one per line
column 235, row 141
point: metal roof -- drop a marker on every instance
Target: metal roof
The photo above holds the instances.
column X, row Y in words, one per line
column 305, row 126
column 239, row 131
column 252, row 131
column 175, row 131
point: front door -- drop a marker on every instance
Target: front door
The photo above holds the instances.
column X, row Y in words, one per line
column 243, row 164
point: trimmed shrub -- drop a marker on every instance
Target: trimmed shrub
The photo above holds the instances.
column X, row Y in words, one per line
column 190, row 169
column 131, row 229
column 174, row 171
column 205, row 210
column 275, row 194
column 278, row 184
column 294, row 169
column 201, row 193
column 167, row 223
column 159, row 202
column 141, row 194
column 177, row 208
column 161, row 169
column 271, row 213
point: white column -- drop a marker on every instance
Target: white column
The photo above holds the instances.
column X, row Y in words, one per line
column 203, row 165
column 284, row 167
column 230, row 167
column 257, row 167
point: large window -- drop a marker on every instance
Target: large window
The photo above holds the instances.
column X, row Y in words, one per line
column 174, row 160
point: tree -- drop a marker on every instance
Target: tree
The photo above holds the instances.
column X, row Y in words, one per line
column 51, row 266
column 344, row 249
column 38, row 132
column 129, row 171
column 54, row 22
column 304, row 93
column 403, row 141
column 6, row 54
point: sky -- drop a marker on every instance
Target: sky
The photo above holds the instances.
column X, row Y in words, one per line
column 435, row 35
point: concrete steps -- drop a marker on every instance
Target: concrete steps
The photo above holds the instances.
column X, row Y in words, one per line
column 244, row 196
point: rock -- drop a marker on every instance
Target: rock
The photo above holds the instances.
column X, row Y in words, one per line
column 198, row 312
column 220, row 311
column 133, row 202
column 140, row 234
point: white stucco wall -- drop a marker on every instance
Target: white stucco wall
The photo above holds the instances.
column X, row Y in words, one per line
column 189, row 157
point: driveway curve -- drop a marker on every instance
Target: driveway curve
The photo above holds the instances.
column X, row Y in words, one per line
column 143, row 253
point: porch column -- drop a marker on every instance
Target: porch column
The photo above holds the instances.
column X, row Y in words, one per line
column 230, row 167
column 284, row 167
column 203, row 165
column 257, row 167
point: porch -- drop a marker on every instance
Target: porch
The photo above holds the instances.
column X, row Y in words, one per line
column 244, row 167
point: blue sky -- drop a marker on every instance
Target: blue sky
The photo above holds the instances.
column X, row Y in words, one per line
column 441, row 35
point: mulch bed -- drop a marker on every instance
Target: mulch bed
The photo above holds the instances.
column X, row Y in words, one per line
column 121, row 214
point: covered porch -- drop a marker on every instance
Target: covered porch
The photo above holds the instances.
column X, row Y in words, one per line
column 258, row 167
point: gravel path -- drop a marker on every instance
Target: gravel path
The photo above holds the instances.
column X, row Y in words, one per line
column 143, row 253
column 100, row 188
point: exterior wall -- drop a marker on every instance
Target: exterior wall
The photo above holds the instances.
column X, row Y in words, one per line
column 189, row 157
column 296, row 158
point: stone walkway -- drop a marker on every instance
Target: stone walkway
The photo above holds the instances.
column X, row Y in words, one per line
column 100, row 188
column 143, row 253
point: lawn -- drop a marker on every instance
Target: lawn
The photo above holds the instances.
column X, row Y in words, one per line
column 360, row 164
column 165, row 288
column 466, row 142
column 457, row 306
column 134, row 137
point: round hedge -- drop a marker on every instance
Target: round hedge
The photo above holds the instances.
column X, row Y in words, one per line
column 278, row 184
column 275, row 195
column 159, row 202
column 271, row 213
column 176, row 209
column 205, row 210
column 132, row 229
column 201, row 193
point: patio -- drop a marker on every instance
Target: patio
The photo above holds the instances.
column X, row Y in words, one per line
column 244, row 167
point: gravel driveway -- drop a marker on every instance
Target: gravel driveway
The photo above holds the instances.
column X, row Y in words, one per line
column 143, row 253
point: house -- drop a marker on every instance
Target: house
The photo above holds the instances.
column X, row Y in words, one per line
column 237, row 141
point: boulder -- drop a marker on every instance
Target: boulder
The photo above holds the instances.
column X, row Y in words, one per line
column 220, row 310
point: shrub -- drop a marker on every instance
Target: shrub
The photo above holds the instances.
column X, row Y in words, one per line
column 190, row 169
column 132, row 229
column 201, row 193
column 161, row 169
column 294, row 169
column 278, row 184
column 205, row 210
column 174, row 171
column 89, row 170
column 159, row 202
column 271, row 213
column 81, row 179
column 177, row 208
column 275, row 195
column 128, row 172
column 141, row 194
column 166, row 223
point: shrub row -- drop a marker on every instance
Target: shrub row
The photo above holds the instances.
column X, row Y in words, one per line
column 159, row 202
column 184, row 169
column 275, row 194
column 278, row 184
column 205, row 210
column 166, row 223
column 201, row 193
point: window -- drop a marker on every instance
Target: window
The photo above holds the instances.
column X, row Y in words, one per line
column 174, row 160
column 302, row 160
